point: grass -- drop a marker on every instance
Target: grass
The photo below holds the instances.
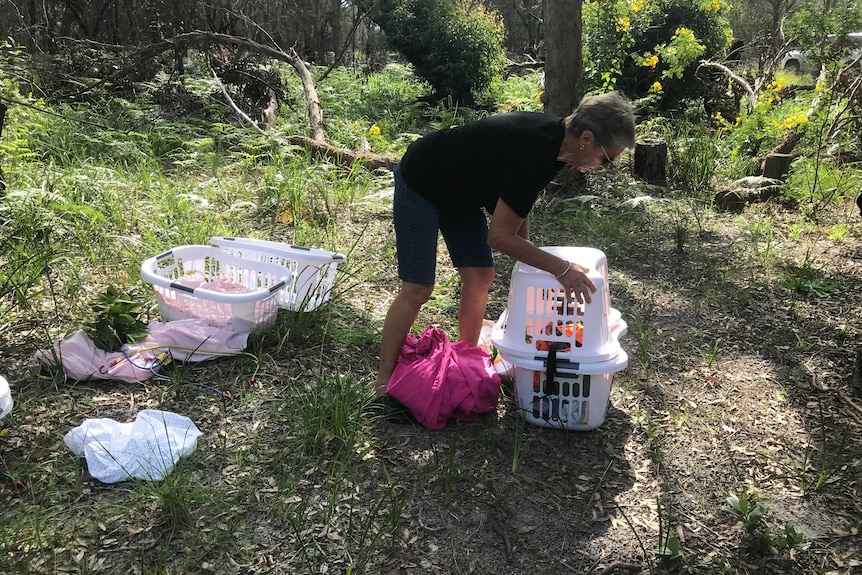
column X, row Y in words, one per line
column 290, row 474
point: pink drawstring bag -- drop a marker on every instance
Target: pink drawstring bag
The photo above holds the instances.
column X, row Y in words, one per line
column 438, row 380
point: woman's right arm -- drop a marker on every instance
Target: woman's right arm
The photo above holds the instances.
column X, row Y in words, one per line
column 504, row 236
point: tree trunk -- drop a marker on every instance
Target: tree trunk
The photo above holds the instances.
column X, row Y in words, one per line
column 651, row 161
column 2, row 119
column 563, row 60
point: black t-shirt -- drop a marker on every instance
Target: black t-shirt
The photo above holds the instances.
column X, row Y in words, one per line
column 509, row 156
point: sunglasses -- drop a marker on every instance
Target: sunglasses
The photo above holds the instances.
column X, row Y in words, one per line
column 607, row 161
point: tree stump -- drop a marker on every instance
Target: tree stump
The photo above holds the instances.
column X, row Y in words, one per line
column 777, row 165
column 651, row 161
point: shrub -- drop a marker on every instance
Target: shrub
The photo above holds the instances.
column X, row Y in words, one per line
column 645, row 47
column 454, row 45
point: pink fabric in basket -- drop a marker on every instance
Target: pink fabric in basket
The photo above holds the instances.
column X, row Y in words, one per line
column 438, row 380
column 221, row 285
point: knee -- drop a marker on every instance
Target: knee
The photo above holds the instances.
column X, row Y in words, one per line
column 415, row 295
column 478, row 278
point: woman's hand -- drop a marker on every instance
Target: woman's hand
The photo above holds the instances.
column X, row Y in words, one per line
column 577, row 283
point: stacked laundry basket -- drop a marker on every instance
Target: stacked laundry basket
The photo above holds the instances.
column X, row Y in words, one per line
column 564, row 353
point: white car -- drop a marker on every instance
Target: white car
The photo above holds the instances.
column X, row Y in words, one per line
column 799, row 61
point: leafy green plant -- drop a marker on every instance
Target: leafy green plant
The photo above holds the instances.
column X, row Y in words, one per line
column 681, row 230
column 693, row 158
column 673, row 558
column 637, row 44
column 808, row 279
column 448, row 470
column 647, row 424
column 757, row 537
column 327, row 414
column 641, row 326
column 759, row 234
column 839, row 231
column 816, row 184
column 117, row 320
column 713, row 352
column 516, row 92
column 174, row 497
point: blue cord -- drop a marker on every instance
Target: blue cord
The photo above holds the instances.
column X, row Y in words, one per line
column 164, row 359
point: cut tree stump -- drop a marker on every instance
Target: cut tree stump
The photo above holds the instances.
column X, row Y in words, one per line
column 651, row 161
column 776, row 165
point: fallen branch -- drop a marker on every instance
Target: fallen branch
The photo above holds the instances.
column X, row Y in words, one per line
column 852, row 404
column 819, row 385
column 524, row 65
column 236, row 109
column 202, row 40
column 317, row 148
column 344, row 156
column 737, row 79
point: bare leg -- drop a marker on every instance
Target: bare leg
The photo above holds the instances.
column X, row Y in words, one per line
column 474, row 298
column 399, row 319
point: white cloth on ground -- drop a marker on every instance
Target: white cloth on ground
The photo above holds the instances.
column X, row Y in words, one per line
column 147, row 448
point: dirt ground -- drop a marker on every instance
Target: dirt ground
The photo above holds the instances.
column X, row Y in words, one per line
column 736, row 383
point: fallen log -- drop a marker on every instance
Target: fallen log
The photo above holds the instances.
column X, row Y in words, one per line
column 343, row 156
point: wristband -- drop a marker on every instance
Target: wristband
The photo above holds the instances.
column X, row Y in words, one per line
column 564, row 272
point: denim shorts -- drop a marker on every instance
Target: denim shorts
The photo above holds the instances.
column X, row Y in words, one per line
column 417, row 222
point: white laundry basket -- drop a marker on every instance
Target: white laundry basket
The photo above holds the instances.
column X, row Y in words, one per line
column 539, row 315
column 560, row 394
column 6, row 402
column 312, row 270
column 184, row 279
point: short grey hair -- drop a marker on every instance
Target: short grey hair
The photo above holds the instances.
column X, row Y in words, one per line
column 610, row 117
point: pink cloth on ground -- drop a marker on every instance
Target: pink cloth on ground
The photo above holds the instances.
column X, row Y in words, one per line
column 438, row 380
column 188, row 340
